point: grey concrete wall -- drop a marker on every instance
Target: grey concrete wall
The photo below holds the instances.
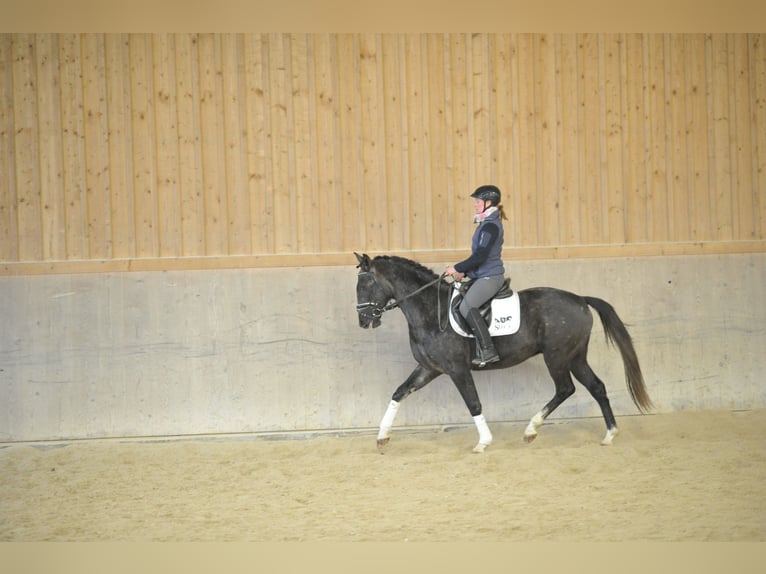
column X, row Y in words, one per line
column 280, row 350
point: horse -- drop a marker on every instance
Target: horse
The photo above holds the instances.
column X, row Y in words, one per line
column 554, row 323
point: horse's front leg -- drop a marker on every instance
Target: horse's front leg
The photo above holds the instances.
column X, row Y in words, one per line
column 467, row 388
column 418, row 379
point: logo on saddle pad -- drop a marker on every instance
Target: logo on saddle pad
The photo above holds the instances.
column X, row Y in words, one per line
column 502, row 313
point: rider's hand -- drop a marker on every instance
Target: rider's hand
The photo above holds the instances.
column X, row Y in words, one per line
column 456, row 275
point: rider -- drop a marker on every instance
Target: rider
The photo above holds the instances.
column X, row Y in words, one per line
column 484, row 267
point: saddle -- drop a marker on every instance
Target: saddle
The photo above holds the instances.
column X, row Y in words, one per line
column 501, row 313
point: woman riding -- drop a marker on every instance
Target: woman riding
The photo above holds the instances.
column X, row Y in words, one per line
column 484, row 267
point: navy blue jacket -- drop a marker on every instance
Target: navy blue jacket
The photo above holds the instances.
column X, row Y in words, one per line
column 486, row 250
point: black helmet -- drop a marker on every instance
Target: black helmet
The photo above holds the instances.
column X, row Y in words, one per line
column 488, row 193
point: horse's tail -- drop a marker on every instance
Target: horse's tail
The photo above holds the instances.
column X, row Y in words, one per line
column 617, row 334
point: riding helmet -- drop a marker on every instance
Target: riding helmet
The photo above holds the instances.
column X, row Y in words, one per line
column 487, row 193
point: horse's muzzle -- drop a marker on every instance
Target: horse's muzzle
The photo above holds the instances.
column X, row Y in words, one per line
column 367, row 322
column 369, row 315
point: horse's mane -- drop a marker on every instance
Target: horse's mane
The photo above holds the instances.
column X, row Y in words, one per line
column 421, row 271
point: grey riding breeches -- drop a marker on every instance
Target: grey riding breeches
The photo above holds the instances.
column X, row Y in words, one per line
column 480, row 291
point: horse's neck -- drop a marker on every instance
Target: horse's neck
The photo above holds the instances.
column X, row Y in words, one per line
column 419, row 309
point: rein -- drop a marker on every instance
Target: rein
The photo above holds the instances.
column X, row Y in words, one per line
column 377, row 312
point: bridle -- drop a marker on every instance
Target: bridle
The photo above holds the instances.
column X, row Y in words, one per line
column 371, row 309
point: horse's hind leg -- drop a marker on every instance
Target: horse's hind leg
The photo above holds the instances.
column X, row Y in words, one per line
column 564, row 389
column 595, row 386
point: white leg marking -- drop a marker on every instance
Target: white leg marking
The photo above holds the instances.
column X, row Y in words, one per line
column 485, row 436
column 388, row 420
column 531, row 431
column 610, row 434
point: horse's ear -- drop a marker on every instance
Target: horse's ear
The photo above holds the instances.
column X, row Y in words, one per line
column 364, row 261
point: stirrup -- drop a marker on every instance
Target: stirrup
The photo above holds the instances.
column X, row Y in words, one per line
column 484, row 357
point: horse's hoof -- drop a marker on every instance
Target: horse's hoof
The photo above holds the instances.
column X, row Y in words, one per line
column 382, row 443
column 528, row 438
column 610, row 434
column 479, row 448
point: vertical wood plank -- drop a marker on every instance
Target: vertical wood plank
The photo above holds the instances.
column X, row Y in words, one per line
column 462, row 171
column 306, row 185
column 743, row 189
column 426, row 168
column 328, row 186
column 381, row 194
column 394, row 100
column 284, row 228
column 373, row 193
column 53, row 232
column 286, row 203
column 73, row 152
column 502, row 129
column 8, row 229
column 169, row 240
column 758, row 130
column 190, row 176
column 657, row 183
column 417, row 154
column 26, row 142
column 212, row 147
column 635, row 148
column 720, row 152
column 259, row 143
column 234, row 134
column 440, row 190
column 678, row 180
column 696, row 98
column 481, row 111
column 568, row 157
column 590, row 121
column 546, row 150
column 144, row 148
column 96, row 146
column 613, row 78
column 121, row 193
column 527, row 180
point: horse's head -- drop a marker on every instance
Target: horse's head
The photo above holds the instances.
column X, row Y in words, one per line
column 371, row 298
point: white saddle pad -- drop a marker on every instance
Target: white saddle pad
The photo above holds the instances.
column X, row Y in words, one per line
column 506, row 317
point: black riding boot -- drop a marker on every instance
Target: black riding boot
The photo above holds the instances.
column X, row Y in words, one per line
column 485, row 349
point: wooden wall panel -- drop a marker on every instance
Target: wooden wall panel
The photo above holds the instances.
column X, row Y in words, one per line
column 119, row 146
column 590, row 139
column 613, row 76
column 9, row 235
column 167, row 154
column 143, row 149
column 698, row 138
column 26, row 142
column 741, row 140
column 257, row 126
column 459, row 143
column 678, row 180
column 196, row 150
column 306, row 187
column 53, row 220
column 568, row 165
column 395, row 191
column 757, row 52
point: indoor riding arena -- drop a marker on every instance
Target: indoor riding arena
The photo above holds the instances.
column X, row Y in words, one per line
column 181, row 357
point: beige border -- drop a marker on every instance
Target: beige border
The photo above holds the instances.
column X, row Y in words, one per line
column 14, row 269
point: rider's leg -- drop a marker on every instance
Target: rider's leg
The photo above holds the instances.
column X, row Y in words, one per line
column 481, row 291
